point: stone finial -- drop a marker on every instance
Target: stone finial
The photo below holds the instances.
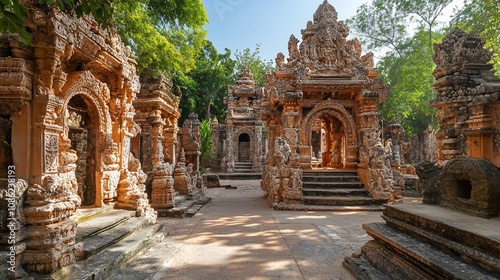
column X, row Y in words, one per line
column 325, row 11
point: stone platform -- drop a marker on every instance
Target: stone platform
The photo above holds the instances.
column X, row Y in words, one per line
column 420, row 241
column 110, row 238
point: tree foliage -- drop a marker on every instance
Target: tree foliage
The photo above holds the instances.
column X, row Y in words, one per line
column 14, row 12
column 380, row 25
column 408, row 63
column 162, row 43
column 205, row 87
column 206, row 146
column 165, row 35
column 254, row 62
column 411, row 91
column 483, row 18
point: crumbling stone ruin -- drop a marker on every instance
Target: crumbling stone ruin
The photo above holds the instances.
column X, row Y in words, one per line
column 453, row 234
column 320, row 108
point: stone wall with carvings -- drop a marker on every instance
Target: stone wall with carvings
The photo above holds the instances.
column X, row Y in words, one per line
column 467, row 101
column 325, row 77
column 243, row 130
column 74, row 77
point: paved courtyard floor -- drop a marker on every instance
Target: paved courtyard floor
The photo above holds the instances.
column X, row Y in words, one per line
column 238, row 236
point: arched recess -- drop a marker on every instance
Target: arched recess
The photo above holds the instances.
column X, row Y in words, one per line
column 84, row 87
column 329, row 108
column 244, row 147
column 346, row 154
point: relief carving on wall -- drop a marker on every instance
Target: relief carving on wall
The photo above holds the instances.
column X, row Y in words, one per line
column 51, row 152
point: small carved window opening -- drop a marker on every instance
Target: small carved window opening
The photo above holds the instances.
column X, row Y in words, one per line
column 464, row 189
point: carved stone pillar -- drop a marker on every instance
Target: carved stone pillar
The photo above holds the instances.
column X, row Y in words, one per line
column 230, row 139
column 162, row 195
column 156, row 139
column 170, row 141
column 182, row 180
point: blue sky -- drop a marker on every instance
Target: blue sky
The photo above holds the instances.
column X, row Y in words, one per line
column 240, row 24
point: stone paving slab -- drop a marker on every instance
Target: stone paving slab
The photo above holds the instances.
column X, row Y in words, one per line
column 239, row 236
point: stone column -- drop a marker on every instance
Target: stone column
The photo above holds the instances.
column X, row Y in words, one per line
column 170, row 140
column 51, row 199
column 230, row 139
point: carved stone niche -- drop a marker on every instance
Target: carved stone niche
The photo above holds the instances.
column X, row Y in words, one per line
column 471, row 185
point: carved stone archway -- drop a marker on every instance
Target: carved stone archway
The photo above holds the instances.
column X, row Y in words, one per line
column 347, row 154
column 92, row 91
column 333, row 109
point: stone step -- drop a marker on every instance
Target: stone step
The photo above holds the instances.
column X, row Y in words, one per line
column 101, row 265
column 178, row 211
column 332, row 185
column 184, row 207
column 338, row 200
column 240, row 176
column 453, row 231
column 429, row 259
column 240, row 165
column 239, row 170
column 85, row 213
column 330, row 173
column 334, row 178
column 105, row 229
column 334, row 192
column 197, row 205
column 333, row 208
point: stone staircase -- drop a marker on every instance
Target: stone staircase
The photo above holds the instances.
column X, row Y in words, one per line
column 243, row 167
column 422, row 241
column 242, row 171
column 185, row 206
column 110, row 238
column 336, row 190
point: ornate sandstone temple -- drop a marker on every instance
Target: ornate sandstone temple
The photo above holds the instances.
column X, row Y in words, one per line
column 320, row 108
column 71, row 138
column 243, row 129
column 453, row 234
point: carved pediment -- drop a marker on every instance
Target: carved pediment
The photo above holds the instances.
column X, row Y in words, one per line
column 324, row 49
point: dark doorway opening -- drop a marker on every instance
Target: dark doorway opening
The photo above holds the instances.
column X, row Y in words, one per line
column 244, row 148
column 83, row 141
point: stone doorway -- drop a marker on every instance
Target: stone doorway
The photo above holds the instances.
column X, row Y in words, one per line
column 82, row 134
column 244, row 148
column 328, row 142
